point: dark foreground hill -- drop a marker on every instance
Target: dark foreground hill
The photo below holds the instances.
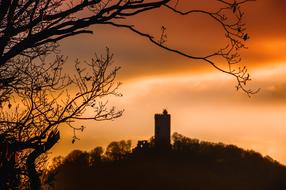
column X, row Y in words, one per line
column 190, row 165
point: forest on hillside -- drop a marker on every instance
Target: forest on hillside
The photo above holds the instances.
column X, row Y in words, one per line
column 189, row 164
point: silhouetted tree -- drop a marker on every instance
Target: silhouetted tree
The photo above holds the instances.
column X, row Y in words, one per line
column 194, row 164
column 78, row 157
column 31, row 29
column 96, row 155
column 118, row 150
column 52, row 172
column 47, row 101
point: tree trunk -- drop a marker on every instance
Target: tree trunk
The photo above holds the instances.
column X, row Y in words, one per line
column 34, row 176
column 35, row 183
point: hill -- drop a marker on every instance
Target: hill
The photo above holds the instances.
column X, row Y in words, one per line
column 190, row 164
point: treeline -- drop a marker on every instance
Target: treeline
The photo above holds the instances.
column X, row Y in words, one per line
column 190, row 164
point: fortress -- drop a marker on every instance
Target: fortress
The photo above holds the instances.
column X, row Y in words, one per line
column 163, row 130
column 162, row 136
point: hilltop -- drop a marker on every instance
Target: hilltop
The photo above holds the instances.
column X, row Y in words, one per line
column 190, row 164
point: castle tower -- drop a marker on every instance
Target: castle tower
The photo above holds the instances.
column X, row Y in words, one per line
column 162, row 130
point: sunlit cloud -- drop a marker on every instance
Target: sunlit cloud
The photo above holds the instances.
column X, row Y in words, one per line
column 204, row 106
column 203, row 101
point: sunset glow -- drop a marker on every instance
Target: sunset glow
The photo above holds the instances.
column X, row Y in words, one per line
column 203, row 102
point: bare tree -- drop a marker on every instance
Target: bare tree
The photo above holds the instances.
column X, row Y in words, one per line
column 49, row 99
column 32, row 29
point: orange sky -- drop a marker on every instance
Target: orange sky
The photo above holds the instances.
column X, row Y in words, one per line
column 202, row 101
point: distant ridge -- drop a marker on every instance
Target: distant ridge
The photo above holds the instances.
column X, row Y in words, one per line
column 190, row 165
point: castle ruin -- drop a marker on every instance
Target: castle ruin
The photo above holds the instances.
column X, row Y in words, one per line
column 163, row 130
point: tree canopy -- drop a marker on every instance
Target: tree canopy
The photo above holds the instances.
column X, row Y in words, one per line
column 190, row 164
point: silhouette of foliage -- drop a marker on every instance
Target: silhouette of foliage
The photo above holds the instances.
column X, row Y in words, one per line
column 118, row 150
column 48, row 100
column 31, row 29
column 49, row 176
column 191, row 164
column 96, row 155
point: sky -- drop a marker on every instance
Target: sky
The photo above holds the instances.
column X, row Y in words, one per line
column 202, row 101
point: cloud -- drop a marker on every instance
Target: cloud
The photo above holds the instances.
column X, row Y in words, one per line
column 274, row 93
column 194, row 34
column 203, row 102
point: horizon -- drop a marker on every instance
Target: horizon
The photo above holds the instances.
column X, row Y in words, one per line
column 84, row 81
column 203, row 102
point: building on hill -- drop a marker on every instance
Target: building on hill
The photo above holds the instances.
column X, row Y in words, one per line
column 162, row 140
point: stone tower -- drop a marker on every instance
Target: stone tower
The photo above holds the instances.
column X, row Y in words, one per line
column 163, row 130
